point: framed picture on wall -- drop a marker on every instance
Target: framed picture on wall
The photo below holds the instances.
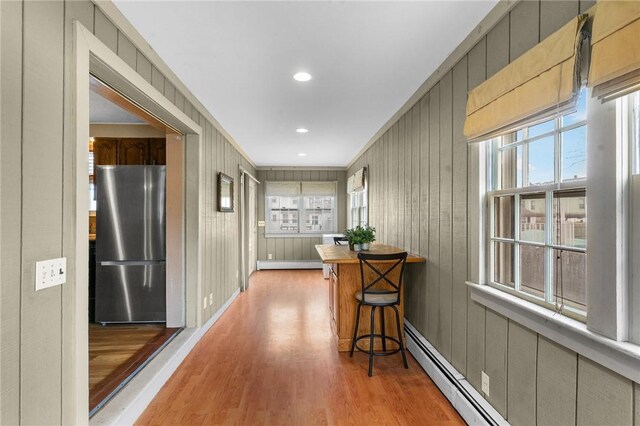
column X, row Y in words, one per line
column 225, row 193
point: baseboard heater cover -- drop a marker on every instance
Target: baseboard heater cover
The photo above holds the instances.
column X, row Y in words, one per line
column 289, row 264
column 469, row 403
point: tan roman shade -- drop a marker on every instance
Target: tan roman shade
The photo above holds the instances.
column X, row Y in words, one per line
column 544, row 80
column 615, row 52
column 356, row 181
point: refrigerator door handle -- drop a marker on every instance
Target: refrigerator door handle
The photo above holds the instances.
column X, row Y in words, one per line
column 132, row 263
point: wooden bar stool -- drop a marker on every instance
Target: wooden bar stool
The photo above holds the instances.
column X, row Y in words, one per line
column 379, row 292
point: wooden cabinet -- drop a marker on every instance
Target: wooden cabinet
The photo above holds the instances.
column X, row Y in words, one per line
column 133, row 152
column 105, row 152
column 129, row 151
column 157, row 152
column 334, row 300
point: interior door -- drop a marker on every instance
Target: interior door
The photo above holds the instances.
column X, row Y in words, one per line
column 252, row 243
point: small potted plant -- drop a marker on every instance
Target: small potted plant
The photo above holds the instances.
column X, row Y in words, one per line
column 368, row 236
column 355, row 237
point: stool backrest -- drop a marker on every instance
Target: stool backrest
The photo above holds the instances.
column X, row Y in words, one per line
column 338, row 240
column 380, row 282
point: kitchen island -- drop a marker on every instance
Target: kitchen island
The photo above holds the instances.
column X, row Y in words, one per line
column 344, row 282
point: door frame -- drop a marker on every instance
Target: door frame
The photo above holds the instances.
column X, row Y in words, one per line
column 244, row 174
column 91, row 56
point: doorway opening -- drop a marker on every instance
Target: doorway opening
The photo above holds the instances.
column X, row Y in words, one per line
column 136, row 274
column 248, row 226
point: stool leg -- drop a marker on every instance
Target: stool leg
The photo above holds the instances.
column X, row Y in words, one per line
column 355, row 331
column 404, row 357
column 382, row 327
column 371, row 333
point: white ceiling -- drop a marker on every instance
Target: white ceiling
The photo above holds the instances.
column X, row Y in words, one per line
column 103, row 111
column 366, row 59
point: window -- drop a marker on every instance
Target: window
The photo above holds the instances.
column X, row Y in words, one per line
column 358, row 210
column 537, row 206
column 629, row 106
column 300, row 207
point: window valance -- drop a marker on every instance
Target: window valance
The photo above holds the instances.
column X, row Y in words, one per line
column 356, row 181
column 615, row 50
column 544, row 80
column 283, row 189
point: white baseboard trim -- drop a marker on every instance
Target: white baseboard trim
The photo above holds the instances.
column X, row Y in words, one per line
column 470, row 404
column 289, row 264
column 133, row 399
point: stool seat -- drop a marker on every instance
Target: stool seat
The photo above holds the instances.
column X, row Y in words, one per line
column 378, row 298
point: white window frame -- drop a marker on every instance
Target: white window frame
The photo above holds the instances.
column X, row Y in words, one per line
column 549, row 190
column 301, row 209
column 359, row 207
column 630, row 127
column 604, row 336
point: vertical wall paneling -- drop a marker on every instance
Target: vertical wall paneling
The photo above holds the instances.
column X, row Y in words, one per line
column 556, row 384
column 408, row 153
column 422, row 320
column 415, row 179
column 497, row 53
column 42, row 120
column 446, row 182
column 143, row 66
column 636, row 404
column 459, row 220
column 521, row 375
column 524, row 28
column 554, row 14
column 10, row 219
column 105, row 30
column 604, row 397
column 477, row 71
column 126, row 49
column 157, row 79
column 433, row 263
column 497, row 330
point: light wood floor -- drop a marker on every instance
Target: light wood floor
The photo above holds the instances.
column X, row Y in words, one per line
column 116, row 351
column 271, row 359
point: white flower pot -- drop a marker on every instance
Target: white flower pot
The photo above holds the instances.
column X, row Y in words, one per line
column 357, row 247
column 365, row 246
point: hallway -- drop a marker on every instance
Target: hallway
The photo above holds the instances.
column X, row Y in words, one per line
column 271, row 359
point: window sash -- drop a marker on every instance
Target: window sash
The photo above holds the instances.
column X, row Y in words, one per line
column 299, row 216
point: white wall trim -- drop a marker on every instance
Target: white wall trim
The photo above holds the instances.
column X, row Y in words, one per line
column 133, row 399
column 621, row 357
column 289, row 264
column 469, row 403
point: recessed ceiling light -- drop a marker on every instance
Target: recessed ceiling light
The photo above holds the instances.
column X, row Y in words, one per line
column 302, row 76
column 302, row 154
column 302, row 130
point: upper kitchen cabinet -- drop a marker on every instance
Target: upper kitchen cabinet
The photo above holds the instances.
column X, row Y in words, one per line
column 130, row 151
column 133, row 152
column 105, row 152
column 157, row 152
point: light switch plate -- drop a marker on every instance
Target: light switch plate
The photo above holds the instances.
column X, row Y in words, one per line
column 50, row 273
column 262, row 223
column 210, row 299
column 485, row 383
column 204, row 304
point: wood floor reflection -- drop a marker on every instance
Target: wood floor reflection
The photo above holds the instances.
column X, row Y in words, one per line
column 272, row 359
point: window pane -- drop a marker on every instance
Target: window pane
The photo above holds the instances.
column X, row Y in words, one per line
column 541, row 161
column 503, row 263
column 511, row 168
column 532, row 270
column 503, row 217
column 581, row 110
column 284, row 214
column 532, row 218
column 542, row 128
column 569, row 278
column 570, row 219
column 318, row 214
column 574, row 154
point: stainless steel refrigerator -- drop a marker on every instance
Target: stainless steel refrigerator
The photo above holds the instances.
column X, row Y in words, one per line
column 130, row 244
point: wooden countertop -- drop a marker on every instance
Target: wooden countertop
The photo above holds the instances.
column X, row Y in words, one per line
column 331, row 253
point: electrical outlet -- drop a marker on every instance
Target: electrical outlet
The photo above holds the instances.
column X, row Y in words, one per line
column 210, row 299
column 269, row 256
column 485, row 383
column 50, row 273
column 237, row 273
column 204, row 304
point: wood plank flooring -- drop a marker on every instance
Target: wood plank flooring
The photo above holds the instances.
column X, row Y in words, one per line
column 271, row 359
column 116, row 351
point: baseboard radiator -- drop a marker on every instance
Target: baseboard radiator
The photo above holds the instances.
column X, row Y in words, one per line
column 289, row 264
column 469, row 403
